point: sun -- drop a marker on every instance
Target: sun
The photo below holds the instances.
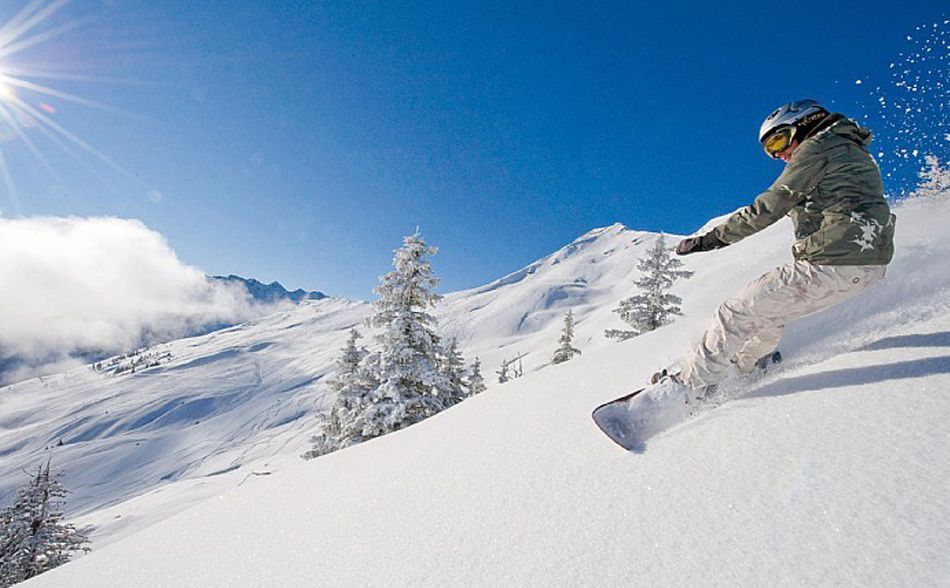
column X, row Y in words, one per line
column 7, row 93
column 27, row 98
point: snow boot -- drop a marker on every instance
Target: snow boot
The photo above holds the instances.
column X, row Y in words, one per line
column 768, row 359
column 656, row 377
column 663, row 375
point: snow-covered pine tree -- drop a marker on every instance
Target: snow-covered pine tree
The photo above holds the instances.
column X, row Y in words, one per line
column 411, row 385
column 475, row 384
column 654, row 306
column 934, row 179
column 566, row 350
column 33, row 538
column 353, row 381
column 503, row 375
column 453, row 367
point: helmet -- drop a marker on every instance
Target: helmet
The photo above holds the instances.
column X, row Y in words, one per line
column 790, row 114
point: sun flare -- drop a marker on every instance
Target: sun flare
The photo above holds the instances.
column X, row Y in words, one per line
column 28, row 101
column 7, row 93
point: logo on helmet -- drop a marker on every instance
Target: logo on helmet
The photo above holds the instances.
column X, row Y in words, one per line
column 813, row 117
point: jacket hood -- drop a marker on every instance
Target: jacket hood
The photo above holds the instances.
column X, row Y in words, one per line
column 847, row 128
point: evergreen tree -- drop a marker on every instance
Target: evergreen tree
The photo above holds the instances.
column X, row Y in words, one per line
column 33, row 538
column 566, row 351
column 348, row 365
column 654, row 306
column 453, row 367
column 353, row 381
column 475, row 383
column 934, row 179
column 411, row 385
column 503, row 375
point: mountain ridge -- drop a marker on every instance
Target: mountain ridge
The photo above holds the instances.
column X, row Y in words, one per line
column 270, row 293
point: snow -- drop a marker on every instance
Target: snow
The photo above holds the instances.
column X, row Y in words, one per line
column 910, row 114
column 829, row 470
column 232, row 397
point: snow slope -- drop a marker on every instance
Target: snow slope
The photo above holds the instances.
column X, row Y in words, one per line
column 225, row 406
column 830, row 470
column 221, row 400
column 523, row 313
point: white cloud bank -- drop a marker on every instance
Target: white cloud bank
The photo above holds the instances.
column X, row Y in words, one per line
column 98, row 284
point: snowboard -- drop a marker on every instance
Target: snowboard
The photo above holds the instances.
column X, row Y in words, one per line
column 632, row 419
column 635, row 417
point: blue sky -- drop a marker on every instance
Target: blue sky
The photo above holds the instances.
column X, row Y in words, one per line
column 299, row 141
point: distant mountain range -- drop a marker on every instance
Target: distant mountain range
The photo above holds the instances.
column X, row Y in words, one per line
column 273, row 292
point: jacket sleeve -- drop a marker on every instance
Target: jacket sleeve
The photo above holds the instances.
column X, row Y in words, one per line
column 797, row 181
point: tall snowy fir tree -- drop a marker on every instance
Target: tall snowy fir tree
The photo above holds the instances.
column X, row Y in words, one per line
column 411, row 386
column 654, row 307
column 566, row 350
column 33, row 538
column 354, row 379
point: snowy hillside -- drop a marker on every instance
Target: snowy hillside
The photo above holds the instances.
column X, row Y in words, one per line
column 211, row 404
column 830, row 470
column 523, row 312
column 221, row 407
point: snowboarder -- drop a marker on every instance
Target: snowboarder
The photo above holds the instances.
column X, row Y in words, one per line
column 832, row 190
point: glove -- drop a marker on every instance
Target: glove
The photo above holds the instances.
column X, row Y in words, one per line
column 706, row 242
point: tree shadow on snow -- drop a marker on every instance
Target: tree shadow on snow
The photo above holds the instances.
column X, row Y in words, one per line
column 872, row 374
column 941, row 339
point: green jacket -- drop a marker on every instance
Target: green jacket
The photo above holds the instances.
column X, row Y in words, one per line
column 832, row 190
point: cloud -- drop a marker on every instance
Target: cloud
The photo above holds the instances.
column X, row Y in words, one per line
column 73, row 285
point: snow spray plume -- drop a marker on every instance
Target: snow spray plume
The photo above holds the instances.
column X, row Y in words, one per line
column 908, row 112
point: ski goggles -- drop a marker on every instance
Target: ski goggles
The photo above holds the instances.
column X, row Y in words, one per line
column 778, row 141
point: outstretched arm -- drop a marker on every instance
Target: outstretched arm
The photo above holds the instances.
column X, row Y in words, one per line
column 797, row 181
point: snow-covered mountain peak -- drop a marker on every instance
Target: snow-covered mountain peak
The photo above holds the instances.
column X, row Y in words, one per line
column 589, row 248
column 521, row 314
column 600, row 231
column 606, row 235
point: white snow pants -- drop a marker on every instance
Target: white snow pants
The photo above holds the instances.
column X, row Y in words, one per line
column 749, row 325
